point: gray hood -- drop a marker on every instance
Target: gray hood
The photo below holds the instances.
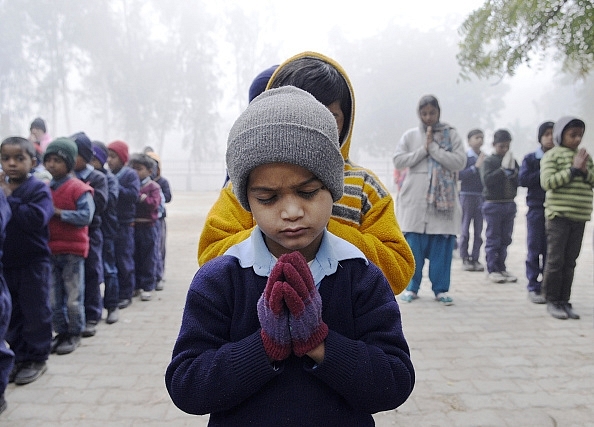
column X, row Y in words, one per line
column 560, row 126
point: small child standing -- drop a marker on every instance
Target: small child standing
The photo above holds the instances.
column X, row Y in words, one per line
column 567, row 176
column 94, row 261
column 109, row 229
column 499, row 174
column 129, row 186
column 27, row 260
column 145, row 230
column 69, row 243
column 471, row 200
column 536, row 237
column 161, row 222
column 293, row 307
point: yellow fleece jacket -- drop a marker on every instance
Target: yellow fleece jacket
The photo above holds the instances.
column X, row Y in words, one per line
column 364, row 215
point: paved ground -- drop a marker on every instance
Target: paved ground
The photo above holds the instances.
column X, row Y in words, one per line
column 492, row 359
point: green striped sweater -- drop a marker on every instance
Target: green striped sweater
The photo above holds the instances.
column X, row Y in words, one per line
column 567, row 196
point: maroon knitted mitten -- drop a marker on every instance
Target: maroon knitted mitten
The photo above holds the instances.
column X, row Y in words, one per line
column 274, row 317
column 303, row 300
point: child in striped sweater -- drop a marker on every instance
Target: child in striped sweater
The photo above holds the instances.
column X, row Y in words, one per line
column 567, row 176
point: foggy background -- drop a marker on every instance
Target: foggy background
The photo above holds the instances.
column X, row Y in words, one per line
column 174, row 75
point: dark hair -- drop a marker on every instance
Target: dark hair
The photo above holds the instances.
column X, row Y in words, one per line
column 501, row 135
column 38, row 123
column 322, row 80
column 142, row 159
column 26, row 145
column 475, row 132
column 429, row 100
column 575, row 123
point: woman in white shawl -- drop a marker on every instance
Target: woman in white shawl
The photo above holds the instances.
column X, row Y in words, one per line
column 427, row 207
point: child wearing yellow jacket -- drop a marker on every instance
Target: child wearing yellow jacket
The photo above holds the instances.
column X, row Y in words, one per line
column 364, row 216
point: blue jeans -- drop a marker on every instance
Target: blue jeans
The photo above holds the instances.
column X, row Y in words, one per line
column 68, row 292
column 437, row 248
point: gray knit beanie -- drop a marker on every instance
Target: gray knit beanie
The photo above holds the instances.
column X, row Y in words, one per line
column 285, row 125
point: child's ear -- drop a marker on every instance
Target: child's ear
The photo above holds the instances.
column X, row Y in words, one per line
column 34, row 162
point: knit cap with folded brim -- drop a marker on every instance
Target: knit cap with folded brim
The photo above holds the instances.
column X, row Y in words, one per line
column 285, row 125
column 64, row 148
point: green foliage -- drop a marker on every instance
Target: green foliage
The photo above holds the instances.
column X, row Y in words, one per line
column 503, row 34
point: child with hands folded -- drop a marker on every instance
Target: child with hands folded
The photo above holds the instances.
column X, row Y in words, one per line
column 292, row 326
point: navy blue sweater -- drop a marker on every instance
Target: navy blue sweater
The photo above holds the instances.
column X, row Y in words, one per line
column 529, row 177
column 470, row 178
column 27, row 233
column 109, row 218
column 219, row 365
column 128, row 194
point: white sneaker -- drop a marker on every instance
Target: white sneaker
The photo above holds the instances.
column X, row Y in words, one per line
column 497, row 277
column 145, row 296
column 509, row 277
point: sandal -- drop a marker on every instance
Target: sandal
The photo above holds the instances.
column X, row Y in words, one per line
column 444, row 299
column 409, row 296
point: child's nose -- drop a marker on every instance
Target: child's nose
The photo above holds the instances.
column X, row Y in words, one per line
column 292, row 209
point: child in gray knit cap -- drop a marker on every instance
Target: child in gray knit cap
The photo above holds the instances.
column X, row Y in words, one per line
column 293, row 326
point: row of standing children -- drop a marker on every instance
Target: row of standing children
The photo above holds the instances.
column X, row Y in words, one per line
column 559, row 179
column 65, row 239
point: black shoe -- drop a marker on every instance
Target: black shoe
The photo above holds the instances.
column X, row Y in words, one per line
column 56, row 341
column 90, row 329
column 14, row 371
column 159, row 286
column 557, row 310
column 124, row 303
column 29, row 372
column 536, row 297
column 68, row 345
column 112, row 316
column 569, row 310
column 3, row 404
column 478, row 266
column 467, row 264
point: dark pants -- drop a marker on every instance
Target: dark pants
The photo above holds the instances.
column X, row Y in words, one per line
column 500, row 226
column 564, row 242
column 124, row 251
column 145, row 238
column 471, row 212
column 30, row 331
column 536, row 238
column 6, row 354
column 111, row 297
column 160, row 249
column 94, row 275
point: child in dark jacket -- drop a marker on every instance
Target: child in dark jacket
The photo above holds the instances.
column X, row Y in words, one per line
column 109, row 229
column 69, row 243
column 129, row 186
column 145, row 230
column 27, row 260
column 471, row 201
column 161, row 224
column 293, row 307
column 6, row 354
column 94, row 261
column 536, row 237
column 499, row 174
